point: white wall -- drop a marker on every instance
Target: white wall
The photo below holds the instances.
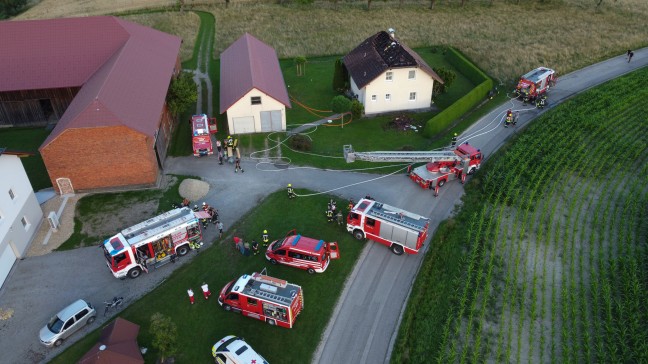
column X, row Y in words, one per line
column 24, row 204
column 243, row 107
column 399, row 89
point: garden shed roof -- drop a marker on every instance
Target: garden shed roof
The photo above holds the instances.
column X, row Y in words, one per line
column 379, row 53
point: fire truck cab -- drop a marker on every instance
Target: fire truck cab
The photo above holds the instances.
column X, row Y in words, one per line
column 264, row 298
column 433, row 175
column 200, row 136
column 234, row 350
column 152, row 243
column 535, row 83
column 401, row 231
column 298, row 251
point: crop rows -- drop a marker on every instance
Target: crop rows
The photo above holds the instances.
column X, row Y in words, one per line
column 555, row 268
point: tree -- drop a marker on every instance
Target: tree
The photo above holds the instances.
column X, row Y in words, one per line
column 448, row 78
column 357, row 109
column 339, row 77
column 183, row 93
column 9, row 8
column 340, row 104
column 165, row 335
column 300, row 62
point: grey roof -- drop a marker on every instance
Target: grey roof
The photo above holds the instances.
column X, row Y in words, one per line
column 379, row 53
column 246, row 64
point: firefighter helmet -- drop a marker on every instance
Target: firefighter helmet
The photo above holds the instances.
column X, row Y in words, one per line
column 204, row 203
column 289, row 185
column 265, row 231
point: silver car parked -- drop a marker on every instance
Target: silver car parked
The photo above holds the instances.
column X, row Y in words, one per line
column 66, row 322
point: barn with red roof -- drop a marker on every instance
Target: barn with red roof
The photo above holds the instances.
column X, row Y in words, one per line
column 252, row 88
column 102, row 81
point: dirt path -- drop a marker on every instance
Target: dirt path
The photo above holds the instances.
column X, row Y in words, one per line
column 201, row 73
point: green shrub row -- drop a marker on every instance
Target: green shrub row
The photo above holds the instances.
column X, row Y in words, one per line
column 484, row 84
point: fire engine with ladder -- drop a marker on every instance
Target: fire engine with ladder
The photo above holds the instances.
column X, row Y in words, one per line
column 398, row 229
column 152, row 243
column 535, row 84
column 264, row 298
column 442, row 166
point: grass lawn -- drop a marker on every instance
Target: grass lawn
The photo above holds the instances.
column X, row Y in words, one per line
column 201, row 325
column 29, row 139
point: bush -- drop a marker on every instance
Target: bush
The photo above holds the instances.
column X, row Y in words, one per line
column 448, row 78
column 301, row 143
column 357, row 109
column 340, row 104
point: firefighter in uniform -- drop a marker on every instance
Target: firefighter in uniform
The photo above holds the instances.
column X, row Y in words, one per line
column 351, row 204
column 454, row 139
column 255, row 247
column 291, row 192
column 509, row 118
column 338, row 216
column 329, row 215
column 264, row 238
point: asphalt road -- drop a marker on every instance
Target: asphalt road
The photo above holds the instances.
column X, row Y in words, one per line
column 366, row 317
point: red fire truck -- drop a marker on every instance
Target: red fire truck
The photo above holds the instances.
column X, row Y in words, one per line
column 152, row 243
column 535, row 83
column 441, row 167
column 298, row 251
column 398, row 229
column 264, row 298
column 200, row 136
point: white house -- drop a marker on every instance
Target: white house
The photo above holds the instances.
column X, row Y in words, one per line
column 252, row 88
column 20, row 213
column 388, row 76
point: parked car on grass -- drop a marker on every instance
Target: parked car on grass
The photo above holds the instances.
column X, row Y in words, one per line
column 66, row 322
column 234, row 350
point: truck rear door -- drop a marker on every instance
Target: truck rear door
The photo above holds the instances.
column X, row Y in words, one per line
column 333, row 250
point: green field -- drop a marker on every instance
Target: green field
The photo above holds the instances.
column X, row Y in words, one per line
column 547, row 260
column 204, row 323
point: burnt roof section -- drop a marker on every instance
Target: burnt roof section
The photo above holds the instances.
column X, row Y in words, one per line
column 246, row 64
column 379, row 53
column 17, row 153
column 124, row 69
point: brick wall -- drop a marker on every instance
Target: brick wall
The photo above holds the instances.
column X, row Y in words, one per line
column 101, row 157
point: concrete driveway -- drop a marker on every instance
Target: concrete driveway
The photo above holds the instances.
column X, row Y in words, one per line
column 372, row 300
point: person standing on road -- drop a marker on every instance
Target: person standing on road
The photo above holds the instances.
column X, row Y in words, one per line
column 219, row 148
column 630, row 54
column 219, row 225
column 291, row 192
column 191, row 295
column 454, row 139
column 205, row 289
column 237, row 165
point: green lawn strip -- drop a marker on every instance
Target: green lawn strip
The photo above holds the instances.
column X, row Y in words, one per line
column 28, row 140
column 434, row 294
column 201, row 325
column 90, row 210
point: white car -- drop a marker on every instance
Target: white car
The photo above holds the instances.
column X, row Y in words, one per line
column 234, row 350
column 66, row 322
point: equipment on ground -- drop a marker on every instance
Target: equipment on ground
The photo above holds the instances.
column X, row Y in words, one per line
column 313, row 255
column 264, row 298
column 441, row 166
column 535, row 84
column 152, row 243
column 400, row 230
column 200, row 136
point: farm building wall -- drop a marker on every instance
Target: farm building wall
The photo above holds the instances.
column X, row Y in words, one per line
column 34, row 107
column 167, row 126
column 239, row 114
column 398, row 88
column 101, row 157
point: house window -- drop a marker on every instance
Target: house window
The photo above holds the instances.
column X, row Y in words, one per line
column 11, row 194
column 411, row 75
column 374, row 98
column 389, row 76
column 25, row 223
column 387, row 97
column 255, row 100
column 412, row 96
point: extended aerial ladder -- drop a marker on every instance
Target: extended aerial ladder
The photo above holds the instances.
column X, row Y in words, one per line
column 400, row 156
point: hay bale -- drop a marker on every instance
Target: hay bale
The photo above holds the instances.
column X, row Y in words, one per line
column 193, row 189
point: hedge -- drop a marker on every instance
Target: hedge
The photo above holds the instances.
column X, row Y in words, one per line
column 484, row 84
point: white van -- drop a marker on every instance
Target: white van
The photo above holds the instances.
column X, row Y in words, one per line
column 234, row 350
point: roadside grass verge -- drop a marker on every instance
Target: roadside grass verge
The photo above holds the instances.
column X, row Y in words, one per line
column 28, row 140
column 536, row 206
column 96, row 208
column 202, row 324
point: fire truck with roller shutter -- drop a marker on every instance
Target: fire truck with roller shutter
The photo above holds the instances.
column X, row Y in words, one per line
column 152, row 243
column 535, row 83
column 264, row 298
column 401, row 231
column 442, row 165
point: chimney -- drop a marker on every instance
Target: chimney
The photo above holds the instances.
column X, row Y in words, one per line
column 392, row 32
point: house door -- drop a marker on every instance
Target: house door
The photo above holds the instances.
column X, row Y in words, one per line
column 243, row 125
column 7, row 259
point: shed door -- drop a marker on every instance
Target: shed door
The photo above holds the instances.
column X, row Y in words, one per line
column 244, row 125
column 7, row 259
column 266, row 121
column 276, row 120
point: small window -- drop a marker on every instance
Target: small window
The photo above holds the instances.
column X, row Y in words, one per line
column 387, row 97
column 24, row 222
column 370, row 222
column 241, row 350
column 412, row 96
column 252, row 301
column 221, row 359
column 68, row 324
column 280, row 252
column 255, row 100
column 389, row 76
column 411, row 75
column 11, row 194
column 374, row 97
column 81, row 314
column 233, row 296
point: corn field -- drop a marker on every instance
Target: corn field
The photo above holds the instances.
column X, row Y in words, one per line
column 555, row 259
